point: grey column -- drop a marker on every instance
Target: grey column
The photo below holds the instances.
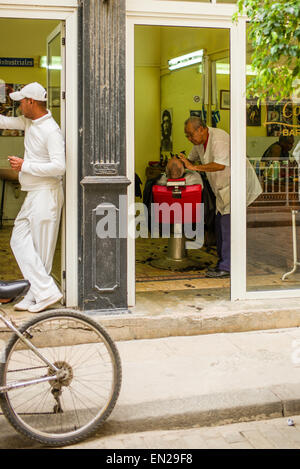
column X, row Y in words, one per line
column 102, row 156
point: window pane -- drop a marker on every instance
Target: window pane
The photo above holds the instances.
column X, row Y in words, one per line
column 272, row 135
column 199, row 1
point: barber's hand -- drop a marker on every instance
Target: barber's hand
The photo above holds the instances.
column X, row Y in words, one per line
column 16, row 163
column 185, row 161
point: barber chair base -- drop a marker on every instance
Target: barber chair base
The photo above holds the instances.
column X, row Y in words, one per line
column 176, row 265
column 176, row 259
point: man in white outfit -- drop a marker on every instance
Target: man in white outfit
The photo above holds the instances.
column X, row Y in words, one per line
column 35, row 231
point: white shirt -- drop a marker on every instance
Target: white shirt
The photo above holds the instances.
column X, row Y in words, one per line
column 218, row 151
column 44, row 155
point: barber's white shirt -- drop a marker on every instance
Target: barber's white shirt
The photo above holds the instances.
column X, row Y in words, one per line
column 218, row 151
column 44, row 155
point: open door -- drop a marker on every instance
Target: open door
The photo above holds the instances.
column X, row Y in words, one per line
column 56, row 105
column 56, row 74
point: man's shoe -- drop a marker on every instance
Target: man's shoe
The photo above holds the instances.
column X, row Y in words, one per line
column 44, row 304
column 217, row 273
column 24, row 304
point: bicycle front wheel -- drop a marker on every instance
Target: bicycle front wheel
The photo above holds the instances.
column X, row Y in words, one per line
column 67, row 410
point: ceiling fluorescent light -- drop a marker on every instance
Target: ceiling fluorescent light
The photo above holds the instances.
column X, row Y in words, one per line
column 54, row 65
column 223, row 69
column 186, row 60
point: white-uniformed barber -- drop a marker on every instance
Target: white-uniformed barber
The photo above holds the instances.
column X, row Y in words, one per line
column 35, row 231
column 211, row 154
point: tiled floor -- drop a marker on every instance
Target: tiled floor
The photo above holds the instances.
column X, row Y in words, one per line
column 9, row 269
column 269, row 256
column 149, row 250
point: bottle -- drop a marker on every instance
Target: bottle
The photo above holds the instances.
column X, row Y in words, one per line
column 257, row 168
column 276, row 167
column 262, row 166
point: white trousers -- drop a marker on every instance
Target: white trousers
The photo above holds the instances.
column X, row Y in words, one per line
column 34, row 238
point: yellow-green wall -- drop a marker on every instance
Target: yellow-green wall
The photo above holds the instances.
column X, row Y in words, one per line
column 20, row 38
column 179, row 87
column 147, row 97
column 147, row 118
column 177, row 92
column 24, row 38
column 156, row 88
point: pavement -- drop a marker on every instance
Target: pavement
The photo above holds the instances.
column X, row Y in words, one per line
column 195, row 359
column 207, row 380
column 197, row 311
column 199, row 381
column 262, row 434
column 185, row 312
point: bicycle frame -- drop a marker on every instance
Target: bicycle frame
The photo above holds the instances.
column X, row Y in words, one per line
column 19, row 384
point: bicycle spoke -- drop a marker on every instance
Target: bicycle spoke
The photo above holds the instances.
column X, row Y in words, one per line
column 86, row 391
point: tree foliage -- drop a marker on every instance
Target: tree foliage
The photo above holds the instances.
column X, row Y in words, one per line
column 274, row 32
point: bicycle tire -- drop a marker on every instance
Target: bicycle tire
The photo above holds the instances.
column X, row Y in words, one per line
column 46, row 422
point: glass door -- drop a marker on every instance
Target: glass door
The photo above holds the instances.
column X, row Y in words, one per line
column 56, row 105
column 56, row 75
column 187, row 20
column 273, row 219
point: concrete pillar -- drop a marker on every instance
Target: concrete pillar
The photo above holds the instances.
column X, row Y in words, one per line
column 102, row 156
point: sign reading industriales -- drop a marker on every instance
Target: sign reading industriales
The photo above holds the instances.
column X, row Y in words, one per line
column 16, row 62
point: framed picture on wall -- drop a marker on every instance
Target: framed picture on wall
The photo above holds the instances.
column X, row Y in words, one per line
column 166, row 143
column 225, row 99
column 253, row 113
column 273, row 119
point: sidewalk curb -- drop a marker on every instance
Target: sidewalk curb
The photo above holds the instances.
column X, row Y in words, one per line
column 133, row 327
column 188, row 317
column 128, row 326
column 208, row 410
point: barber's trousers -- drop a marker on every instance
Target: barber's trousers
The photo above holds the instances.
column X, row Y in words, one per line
column 223, row 241
column 34, row 238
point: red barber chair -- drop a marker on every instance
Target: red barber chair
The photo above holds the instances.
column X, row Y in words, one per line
column 172, row 220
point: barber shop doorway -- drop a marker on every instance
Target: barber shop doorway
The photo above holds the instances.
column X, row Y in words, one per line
column 164, row 97
column 34, row 49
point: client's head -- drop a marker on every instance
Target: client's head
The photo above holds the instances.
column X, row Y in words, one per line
column 174, row 169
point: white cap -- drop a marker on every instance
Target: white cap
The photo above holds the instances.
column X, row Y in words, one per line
column 33, row 90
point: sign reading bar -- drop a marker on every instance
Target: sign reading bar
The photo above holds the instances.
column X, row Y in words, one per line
column 16, row 62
